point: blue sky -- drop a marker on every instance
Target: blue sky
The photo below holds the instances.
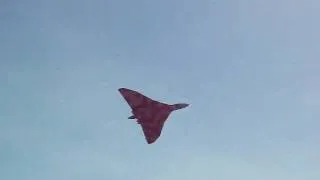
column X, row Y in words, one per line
column 248, row 68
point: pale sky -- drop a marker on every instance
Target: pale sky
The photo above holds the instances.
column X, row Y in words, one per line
column 248, row 68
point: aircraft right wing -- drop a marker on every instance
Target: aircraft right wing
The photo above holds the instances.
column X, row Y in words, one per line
column 134, row 98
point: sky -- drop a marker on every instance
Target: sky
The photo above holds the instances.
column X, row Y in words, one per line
column 248, row 68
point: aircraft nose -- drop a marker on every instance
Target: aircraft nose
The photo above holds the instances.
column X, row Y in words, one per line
column 185, row 105
column 181, row 105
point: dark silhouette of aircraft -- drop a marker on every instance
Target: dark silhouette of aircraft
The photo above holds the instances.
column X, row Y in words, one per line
column 150, row 114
